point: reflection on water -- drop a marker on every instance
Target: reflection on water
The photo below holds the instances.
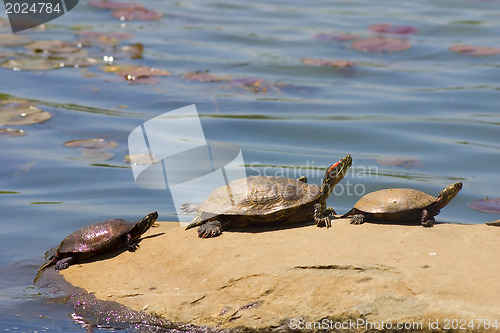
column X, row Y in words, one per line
column 271, row 78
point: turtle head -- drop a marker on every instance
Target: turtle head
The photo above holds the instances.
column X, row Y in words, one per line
column 448, row 193
column 143, row 225
column 334, row 174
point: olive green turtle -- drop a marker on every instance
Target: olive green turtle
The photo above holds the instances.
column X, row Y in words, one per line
column 402, row 205
column 261, row 199
column 99, row 238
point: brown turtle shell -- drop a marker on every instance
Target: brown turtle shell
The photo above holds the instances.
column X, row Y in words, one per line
column 268, row 198
column 97, row 237
column 394, row 200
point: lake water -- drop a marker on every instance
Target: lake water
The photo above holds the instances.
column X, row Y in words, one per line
column 424, row 117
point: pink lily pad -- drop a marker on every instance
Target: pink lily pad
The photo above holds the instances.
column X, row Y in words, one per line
column 486, row 205
column 107, row 4
column 90, row 144
column 475, row 50
column 381, row 44
column 11, row 132
column 406, row 162
column 132, row 72
column 141, row 14
column 206, row 77
column 138, row 72
column 21, row 112
column 52, row 46
column 337, row 37
column 328, row 63
column 393, row 29
column 142, row 80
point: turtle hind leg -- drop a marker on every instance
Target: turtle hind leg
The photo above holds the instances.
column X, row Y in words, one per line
column 210, row 229
column 358, row 219
column 427, row 220
column 64, row 263
column 329, row 211
column 321, row 221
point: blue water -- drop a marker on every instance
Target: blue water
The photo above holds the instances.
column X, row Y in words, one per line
column 426, row 103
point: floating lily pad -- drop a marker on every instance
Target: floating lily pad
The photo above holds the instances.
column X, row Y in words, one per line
column 96, row 155
column 11, row 132
column 137, row 72
column 97, row 34
column 90, row 144
column 381, row 44
column 407, row 162
column 337, row 37
column 142, row 80
column 393, row 29
column 29, row 64
column 94, row 38
column 51, row 46
column 257, row 85
column 475, row 50
column 13, row 40
column 21, row 112
column 141, row 14
column 206, row 77
column 486, row 205
column 132, row 72
column 328, row 63
column 141, row 159
column 115, row 5
column 134, row 51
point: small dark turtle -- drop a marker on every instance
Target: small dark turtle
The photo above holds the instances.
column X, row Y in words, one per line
column 261, row 199
column 401, row 205
column 99, row 238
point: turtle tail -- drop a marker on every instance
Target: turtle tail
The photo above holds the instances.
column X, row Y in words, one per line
column 349, row 213
column 52, row 260
column 194, row 224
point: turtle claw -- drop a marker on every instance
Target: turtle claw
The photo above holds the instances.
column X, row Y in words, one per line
column 133, row 247
column 324, row 222
column 210, row 229
column 319, row 211
column 427, row 220
column 358, row 219
column 64, row 263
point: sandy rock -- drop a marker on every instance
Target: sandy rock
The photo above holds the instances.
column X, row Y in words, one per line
column 359, row 276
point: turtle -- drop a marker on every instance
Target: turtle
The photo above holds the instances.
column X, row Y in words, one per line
column 402, row 205
column 99, row 238
column 265, row 199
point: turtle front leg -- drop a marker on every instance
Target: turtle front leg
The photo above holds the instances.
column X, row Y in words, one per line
column 211, row 228
column 131, row 246
column 321, row 221
column 427, row 220
column 64, row 263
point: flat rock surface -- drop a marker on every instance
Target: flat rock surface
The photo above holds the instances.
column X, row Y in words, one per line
column 370, row 274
